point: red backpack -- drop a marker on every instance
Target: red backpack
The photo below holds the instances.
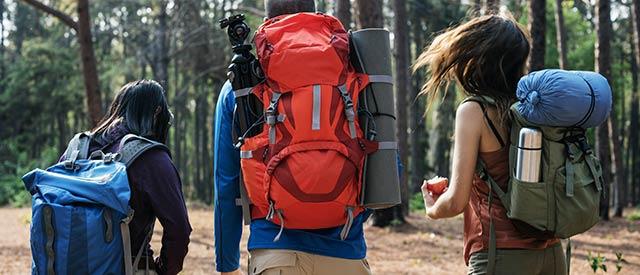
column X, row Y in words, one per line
column 304, row 170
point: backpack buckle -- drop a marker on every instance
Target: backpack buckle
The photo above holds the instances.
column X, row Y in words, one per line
column 111, row 157
column 584, row 145
column 70, row 164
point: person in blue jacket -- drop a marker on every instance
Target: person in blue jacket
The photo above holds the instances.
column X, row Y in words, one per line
column 297, row 251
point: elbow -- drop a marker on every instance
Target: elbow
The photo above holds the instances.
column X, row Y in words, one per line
column 457, row 208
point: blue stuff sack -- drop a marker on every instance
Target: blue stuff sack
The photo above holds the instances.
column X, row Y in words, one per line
column 560, row 98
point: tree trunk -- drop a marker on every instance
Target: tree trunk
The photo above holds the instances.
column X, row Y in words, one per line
column 603, row 66
column 343, row 12
column 492, row 6
column 442, row 132
column 89, row 63
column 634, row 146
column 2, row 62
column 416, row 119
column 161, row 58
column 61, row 119
column 561, row 36
column 370, row 14
column 402, row 87
column 537, row 26
column 87, row 55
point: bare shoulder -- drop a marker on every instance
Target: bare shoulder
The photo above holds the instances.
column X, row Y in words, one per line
column 469, row 112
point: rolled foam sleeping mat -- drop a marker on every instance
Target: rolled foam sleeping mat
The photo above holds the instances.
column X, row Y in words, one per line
column 381, row 182
column 562, row 98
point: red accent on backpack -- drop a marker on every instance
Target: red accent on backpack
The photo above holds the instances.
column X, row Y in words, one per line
column 304, row 170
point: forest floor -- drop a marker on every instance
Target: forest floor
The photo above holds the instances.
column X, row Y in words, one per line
column 419, row 247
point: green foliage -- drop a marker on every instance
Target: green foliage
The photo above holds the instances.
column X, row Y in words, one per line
column 597, row 262
column 634, row 216
column 12, row 190
column 619, row 261
column 416, row 203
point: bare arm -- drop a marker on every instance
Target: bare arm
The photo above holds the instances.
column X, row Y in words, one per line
column 468, row 132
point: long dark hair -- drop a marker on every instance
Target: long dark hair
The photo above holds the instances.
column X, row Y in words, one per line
column 142, row 107
column 486, row 56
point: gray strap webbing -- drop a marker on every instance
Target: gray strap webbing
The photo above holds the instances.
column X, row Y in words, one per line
column 242, row 92
column 348, row 109
column 492, row 236
column 78, row 148
column 126, row 243
column 493, row 186
column 387, row 145
column 50, row 234
column 347, row 226
column 568, row 180
column 279, row 213
column 594, row 173
column 381, row 79
column 244, row 202
column 108, row 231
column 271, row 117
column 139, row 255
column 317, row 101
column 246, row 154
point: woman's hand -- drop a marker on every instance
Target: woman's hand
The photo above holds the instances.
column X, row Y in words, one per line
column 432, row 189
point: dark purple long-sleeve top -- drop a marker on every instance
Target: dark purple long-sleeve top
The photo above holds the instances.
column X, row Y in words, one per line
column 156, row 192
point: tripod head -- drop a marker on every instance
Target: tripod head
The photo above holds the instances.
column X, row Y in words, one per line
column 237, row 29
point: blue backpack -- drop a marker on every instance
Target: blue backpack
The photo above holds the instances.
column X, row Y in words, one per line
column 80, row 210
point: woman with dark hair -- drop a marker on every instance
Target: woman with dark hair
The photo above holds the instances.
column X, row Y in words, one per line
column 486, row 57
column 141, row 108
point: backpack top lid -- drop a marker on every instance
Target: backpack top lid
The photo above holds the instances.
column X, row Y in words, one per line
column 562, row 98
column 91, row 182
column 303, row 49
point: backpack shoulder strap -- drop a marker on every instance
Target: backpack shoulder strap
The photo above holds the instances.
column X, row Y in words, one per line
column 133, row 146
column 482, row 101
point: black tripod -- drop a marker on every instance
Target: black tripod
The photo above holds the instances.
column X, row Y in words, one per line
column 244, row 73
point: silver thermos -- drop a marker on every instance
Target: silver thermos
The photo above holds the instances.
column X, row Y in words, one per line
column 528, row 164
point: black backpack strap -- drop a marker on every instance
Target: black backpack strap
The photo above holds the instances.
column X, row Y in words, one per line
column 482, row 101
column 132, row 146
column 78, row 148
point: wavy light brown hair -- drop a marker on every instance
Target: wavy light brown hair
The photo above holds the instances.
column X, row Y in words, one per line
column 486, row 56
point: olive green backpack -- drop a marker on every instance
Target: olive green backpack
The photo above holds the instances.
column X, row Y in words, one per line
column 566, row 200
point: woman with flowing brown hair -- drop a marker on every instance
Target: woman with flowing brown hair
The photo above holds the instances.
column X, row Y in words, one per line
column 486, row 57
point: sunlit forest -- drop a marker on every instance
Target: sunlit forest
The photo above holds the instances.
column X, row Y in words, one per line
column 62, row 61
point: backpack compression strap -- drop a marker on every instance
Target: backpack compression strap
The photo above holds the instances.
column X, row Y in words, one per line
column 78, row 148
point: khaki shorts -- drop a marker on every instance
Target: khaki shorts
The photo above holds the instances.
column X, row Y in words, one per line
column 289, row 262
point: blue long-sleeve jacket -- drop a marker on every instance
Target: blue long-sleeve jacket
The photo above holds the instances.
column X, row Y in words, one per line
column 228, row 216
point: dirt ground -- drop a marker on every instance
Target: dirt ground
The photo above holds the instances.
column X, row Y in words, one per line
column 420, row 247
